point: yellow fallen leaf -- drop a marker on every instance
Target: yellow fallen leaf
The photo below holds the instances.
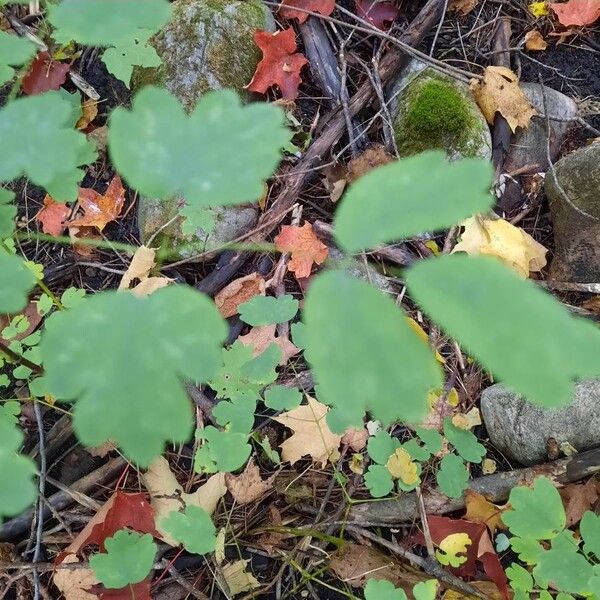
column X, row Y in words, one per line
column 468, row 420
column 401, row 466
column 150, row 285
column 451, row 547
column 534, row 41
column 142, row 263
column 539, row 9
column 481, row 510
column 238, row 579
column 422, row 335
column 220, row 546
column 441, row 405
column 500, row 92
column 497, row 237
column 357, row 464
column 488, row 466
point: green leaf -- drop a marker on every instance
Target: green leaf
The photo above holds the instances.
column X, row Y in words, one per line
column 590, row 532
column 381, row 446
column 501, row 318
column 527, row 549
column 280, row 397
column 416, row 451
column 299, row 334
column 222, row 451
column 536, row 512
column 520, row 578
column 46, row 118
column 404, row 198
column 464, row 442
column 193, row 528
column 112, row 22
column 8, row 212
column 355, row 355
column 236, row 416
column 379, row 481
column 72, row 297
column 426, row 590
column 452, row 476
column 261, row 369
column 381, row 589
column 130, row 362
column 16, row 280
column 134, row 51
column 197, row 217
column 265, row 310
column 502, row 542
column 14, row 51
column 164, row 153
column 128, row 559
column 431, row 438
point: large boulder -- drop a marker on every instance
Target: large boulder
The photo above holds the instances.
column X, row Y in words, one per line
column 433, row 111
column 522, row 431
column 574, row 197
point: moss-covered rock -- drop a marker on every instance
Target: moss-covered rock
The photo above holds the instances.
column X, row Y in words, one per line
column 207, row 45
column 434, row 111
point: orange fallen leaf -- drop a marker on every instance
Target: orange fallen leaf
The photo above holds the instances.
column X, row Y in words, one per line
column 534, row 41
column 248, row 486
column 52, row 216
column 77, row 234
column 576, row 12
column 260, row 338
column 305, row 247
column 100, row 209
column 481, row 510
column 237, row 292
column 281, row 64
column 289, row 8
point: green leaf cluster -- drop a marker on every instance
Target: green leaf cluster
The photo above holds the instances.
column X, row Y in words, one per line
column 381, row 589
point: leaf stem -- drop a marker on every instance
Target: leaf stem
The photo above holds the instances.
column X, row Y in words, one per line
column 20, row 359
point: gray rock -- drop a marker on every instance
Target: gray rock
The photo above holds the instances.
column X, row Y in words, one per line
column 434, row 111
column 576, row 215
column 207, row 45
column 153, row 215
column 521, row 430
column 528, row 146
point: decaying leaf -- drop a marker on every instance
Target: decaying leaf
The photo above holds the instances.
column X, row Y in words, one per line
column 535, row 41
column 237, row 292
column 576, row 12
column 100, row 209
column 312, row 435
column 74, row 583
column 402, row 466
column 378, row 13
column 44, row 75
column 371, row 158
column 281, row 64
column 167, row 495
column 141, row 264
column 356, row 439
column 488, row 466
column 499, row 238
column 237, row 578
column 89, row 111
column 481, row 510
column 248, row 486
column 305, row 247
column 289, row 8
column 578, row 498
column 260, row 338
column 464, row 7
column 453, row 549
column 500, row 92
column 52, row 216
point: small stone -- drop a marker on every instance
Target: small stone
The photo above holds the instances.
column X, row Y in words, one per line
column 522, row 431
column 576, row 215
column 434, row 111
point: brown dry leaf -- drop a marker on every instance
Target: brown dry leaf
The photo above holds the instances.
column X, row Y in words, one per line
column 356, row 564
column 100, row 137
column 237, row 578
column 497, row 237
column 89, row 110
column 335, row 181
column 593, row 304
column 248, row 486
column 481, row 510
column 534, row 41
column 356, row 438
column 578, row 498
column 312, row 435
column 464, row 7
column 100, row 209
column 371, row 158
column 260, row 338
column 237, row 292
column 305, row 247
column 167, row 495
column 77, row 234
column 500, row 92
column 73, row 583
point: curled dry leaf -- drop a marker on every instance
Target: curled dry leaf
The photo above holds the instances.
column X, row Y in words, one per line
column 289, row 8
column 44, row 75
column 237, row 578
column 237, row 292
column 248, row 486
column 281, row 64
column 500, row 92
column 312, row 436
column 260, row 338
column 52, row 216
column 576, row 12
column 100, row 209
column 305, row 247
column 167, row 495
column 497, row 237
column 534, row 41
column 74, row 584
column 464, row 7
column 89, row 111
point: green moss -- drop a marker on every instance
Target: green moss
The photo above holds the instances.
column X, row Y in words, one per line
column 437, row 116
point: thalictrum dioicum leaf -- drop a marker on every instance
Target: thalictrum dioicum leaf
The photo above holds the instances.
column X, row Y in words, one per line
column 381, row 589
column 379, row 481
column 265, row 310
column 193, row 528
column 15, row 282
column 221, row 450
column 280, row 397
column 464, row 442
column 452, row 476
column 14, row 51
column 8, row 212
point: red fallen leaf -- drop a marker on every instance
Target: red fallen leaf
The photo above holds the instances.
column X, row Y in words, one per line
column 100, row 209
column 305, row 247
column 376, row 13
column 52, row 216
column 281, row 64
column 576, row 12
column 288, row 8
column 138, row 591
column 45, row 74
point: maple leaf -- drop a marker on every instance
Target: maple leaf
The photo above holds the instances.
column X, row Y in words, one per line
column 576, row 12
column 376, row 13
column 44, row 75
column 237, row 292
column 288, row 8
column 260, row 338
column 500, row 92
column 312, row 435
column 52, row 216
column 100, row 209
column 281, row 64
column 304, row 246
